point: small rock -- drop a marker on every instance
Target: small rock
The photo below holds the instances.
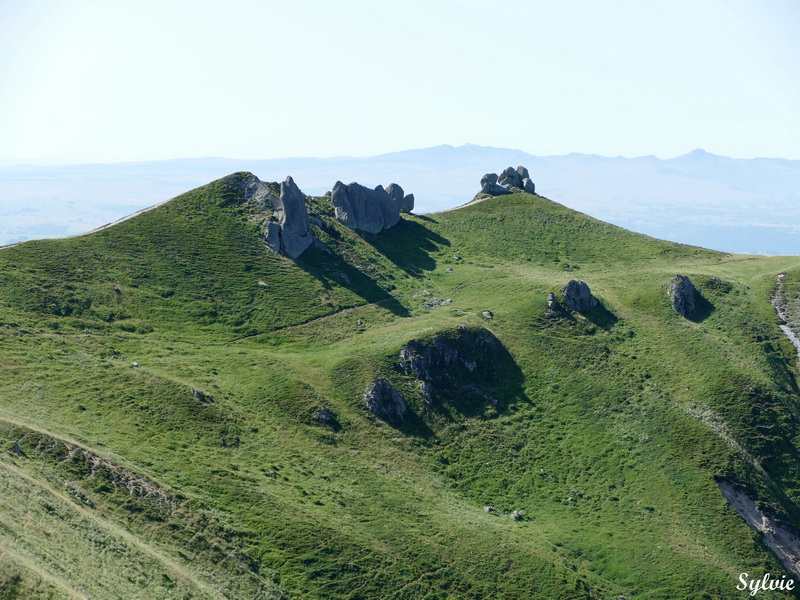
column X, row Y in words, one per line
column 134, row 364
column 517, row 515
column 448, row 270
column 198, row 395
column 489, row 509
column 359, row 322
column 487, row 314
column 553, row 306
column 325, row 416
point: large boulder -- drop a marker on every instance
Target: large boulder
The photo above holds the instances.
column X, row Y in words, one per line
column 578, row 296
column 283, row 218
column 384, row 402
column 295, row 233
column 403, row 200
column 682, row 295
column 372, row 211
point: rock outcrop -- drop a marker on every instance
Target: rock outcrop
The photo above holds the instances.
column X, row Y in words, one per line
column 578, row 296
column 384, row 402
column 508, row 180
column 461, row 364
column 282, row 218
column 682, row 294
column 372, row 211
column 406, row 201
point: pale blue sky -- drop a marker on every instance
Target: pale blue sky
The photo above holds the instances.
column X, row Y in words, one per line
column 112, row 80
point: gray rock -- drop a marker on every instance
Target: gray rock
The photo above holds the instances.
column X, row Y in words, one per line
column 324, row 416
column 578, row 296
column 295, row 234
column 384, row 402
column 528, row 186
column 487, row 314
column 552, row 304
column 489, row 509
column 361, row 208
column 283, row 219
column 273, row 236
column 682, row 294
column 510, row 178
column 489, row 179
column 198, row 395
column 408, row 203
column 395, row 192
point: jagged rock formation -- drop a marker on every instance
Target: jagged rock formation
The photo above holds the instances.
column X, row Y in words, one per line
column 682, row 294
column 372, row 211
column 454, row 364
column 384, row 402
column 578, row 296
column 509, row 179
column 406, row 201
column 283, row 218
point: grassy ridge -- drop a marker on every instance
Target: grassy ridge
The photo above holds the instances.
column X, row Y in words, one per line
column 611, row 429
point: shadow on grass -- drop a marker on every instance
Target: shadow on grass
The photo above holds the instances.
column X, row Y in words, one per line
column 702, row 309
column 601, row 317
column 409, row 246
column 331, row 269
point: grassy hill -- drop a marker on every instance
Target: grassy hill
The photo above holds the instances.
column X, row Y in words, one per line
column 204, row 473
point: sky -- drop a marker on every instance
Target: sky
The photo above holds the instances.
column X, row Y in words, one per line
column 133, row 80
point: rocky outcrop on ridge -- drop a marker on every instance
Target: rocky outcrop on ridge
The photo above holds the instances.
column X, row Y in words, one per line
column 578, row 296
column 384, row 402
column 682, row 294
column 456, row 364
column 282, row 218
column 508, row 180
column 372, row 211
column 406, row 200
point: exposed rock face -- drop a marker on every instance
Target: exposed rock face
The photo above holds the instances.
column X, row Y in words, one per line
column 578, row 296
column 384, row 402
column 682, row 292
column 406, row 201
column 456, row 364
column 782, row 539
column 283, row 219
column 295, row 234
column 372, row 211
column 510, row 178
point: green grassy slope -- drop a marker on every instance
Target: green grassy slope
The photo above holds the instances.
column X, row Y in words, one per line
column 202, row 473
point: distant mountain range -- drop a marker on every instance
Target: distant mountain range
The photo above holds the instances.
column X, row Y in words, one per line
column 736, row 205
